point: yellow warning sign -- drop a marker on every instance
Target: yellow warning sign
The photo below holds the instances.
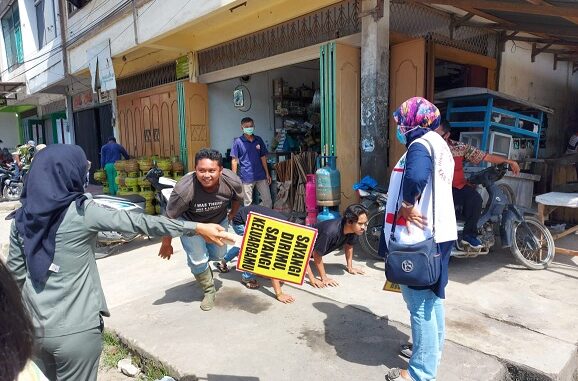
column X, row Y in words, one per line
column 393, row 287
column 275, row 248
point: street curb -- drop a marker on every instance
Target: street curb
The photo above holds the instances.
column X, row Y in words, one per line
column 135, row 347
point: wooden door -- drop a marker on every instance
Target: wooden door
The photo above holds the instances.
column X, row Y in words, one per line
column 196, row 119
column 148, row 122
column 406, row 80
column 347, row 117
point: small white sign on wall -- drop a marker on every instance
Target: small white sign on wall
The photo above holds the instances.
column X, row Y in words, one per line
column 101, row 68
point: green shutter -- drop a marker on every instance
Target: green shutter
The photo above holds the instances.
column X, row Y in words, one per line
column 182, row 124
column 327, row 99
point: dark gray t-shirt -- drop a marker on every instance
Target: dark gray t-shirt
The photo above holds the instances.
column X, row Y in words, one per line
column 190, row 201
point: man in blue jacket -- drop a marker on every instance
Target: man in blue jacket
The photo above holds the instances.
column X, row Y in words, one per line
column 109, row 153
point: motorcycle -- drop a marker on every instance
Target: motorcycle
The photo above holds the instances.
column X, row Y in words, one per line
column 374, row 200
column 10, row 185
column 163, row 187
column 107, row 242
column 529, row 241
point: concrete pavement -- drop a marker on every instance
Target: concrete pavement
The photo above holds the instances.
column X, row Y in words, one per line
column 500, row 317
column 502, row 320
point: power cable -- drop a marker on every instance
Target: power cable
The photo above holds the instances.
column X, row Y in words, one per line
column 92, row 10
column 68, row 43
column 117, row 36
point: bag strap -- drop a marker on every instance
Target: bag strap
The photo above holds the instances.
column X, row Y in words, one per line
column 433, row 193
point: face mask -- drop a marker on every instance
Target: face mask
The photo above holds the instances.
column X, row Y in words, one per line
column 400, row 137
column 248, row 130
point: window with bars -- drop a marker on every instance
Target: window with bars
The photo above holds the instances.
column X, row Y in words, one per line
column 75, row 5
column 12, row 37
column 45, row 21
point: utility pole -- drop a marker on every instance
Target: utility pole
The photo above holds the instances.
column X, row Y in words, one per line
column 374, row 88
column 69, row 111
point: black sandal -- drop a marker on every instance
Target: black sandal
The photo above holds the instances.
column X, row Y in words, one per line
column 251, row 284
column 222, row 267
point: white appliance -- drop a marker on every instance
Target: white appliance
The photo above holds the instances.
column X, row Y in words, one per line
column 475, row 140
column 472, row 138
column 500, row 144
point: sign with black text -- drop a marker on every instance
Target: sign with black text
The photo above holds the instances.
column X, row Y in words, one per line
column 275, row 248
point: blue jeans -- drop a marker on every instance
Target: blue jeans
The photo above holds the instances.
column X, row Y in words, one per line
column 200, row 252
column 234, row 251
column 427, row 330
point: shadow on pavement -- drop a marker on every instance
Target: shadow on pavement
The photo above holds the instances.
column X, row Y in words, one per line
column 359, row 337
column 333, row 268
column 184, row 293
column 470, row 270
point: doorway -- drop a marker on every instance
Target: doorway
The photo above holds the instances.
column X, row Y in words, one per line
column 92, row 128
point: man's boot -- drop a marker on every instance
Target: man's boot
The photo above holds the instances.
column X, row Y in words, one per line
column 205, row 279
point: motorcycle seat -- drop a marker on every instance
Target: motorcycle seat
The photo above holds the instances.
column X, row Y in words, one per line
column 134, row 198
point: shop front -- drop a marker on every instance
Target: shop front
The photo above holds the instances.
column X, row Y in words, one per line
column 300, row 81
column 92, row 125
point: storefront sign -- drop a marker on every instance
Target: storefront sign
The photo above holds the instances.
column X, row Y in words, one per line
column 276, row 249
column 82, row 100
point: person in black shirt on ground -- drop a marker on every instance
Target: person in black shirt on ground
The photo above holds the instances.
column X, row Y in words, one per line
column 337, row 233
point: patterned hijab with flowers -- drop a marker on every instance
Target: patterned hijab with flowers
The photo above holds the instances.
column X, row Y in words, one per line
column 415, row 117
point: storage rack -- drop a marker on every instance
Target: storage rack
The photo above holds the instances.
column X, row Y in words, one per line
column 488, row 110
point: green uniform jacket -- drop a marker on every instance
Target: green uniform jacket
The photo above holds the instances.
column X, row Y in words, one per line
column 72, row 299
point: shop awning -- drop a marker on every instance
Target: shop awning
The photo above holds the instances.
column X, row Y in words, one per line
column 551, row 26
column 9, row 87
column 18, row 109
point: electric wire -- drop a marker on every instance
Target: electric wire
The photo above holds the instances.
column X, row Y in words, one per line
column 78, row 37
column 59, row 48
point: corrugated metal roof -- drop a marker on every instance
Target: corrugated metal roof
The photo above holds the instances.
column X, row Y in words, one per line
column 524, row 18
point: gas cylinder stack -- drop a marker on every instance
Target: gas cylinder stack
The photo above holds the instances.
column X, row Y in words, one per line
column 328, row 187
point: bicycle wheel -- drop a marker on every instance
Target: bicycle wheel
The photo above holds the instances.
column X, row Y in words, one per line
column 533, row 259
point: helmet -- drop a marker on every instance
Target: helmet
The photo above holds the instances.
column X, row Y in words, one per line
column 31, row 143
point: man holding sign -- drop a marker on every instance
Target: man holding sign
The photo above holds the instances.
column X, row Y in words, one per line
column 337, row 233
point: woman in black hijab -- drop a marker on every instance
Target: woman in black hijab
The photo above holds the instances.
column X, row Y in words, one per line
column 51, row 256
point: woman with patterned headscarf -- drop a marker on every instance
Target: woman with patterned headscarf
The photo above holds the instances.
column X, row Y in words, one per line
column 427, row 158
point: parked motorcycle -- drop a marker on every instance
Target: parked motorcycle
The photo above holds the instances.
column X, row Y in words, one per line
column 163, row 187
column 374, row 200
column 529, row 241
column 107, row 242
column 10, row 185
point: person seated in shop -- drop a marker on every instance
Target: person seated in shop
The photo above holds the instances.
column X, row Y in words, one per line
column 464, row 193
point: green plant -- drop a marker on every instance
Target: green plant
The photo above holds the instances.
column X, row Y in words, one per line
column 115, row 350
